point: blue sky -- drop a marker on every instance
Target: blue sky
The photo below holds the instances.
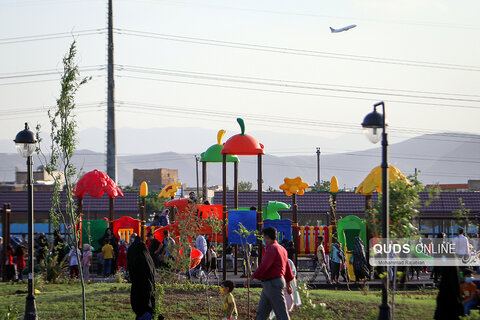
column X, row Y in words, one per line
column 288, row 83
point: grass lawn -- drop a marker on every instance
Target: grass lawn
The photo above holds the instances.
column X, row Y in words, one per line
column 112, row 301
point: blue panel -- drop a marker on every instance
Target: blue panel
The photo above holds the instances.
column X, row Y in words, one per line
column 283, row 226
column 249, row 220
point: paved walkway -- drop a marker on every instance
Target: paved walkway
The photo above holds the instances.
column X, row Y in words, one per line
column 320, row 283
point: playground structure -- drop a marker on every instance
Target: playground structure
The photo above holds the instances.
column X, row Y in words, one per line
column 305, row 238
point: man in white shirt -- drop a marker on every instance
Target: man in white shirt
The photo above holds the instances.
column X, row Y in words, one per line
column 462, row 246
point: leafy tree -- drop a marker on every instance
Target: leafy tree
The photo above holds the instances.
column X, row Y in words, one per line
column 245, row 186
column 63, row 136
column 462, row 215
column 404, row 205
column 323, row 186
column 154, row 204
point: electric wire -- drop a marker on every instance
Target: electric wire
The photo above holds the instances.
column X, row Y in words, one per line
column 295, row 51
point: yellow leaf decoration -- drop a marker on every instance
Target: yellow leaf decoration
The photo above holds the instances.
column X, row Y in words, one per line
column 374, row 180
column 144, row 189
column 334, row 185
column 294, row 186
column 220, row 135
column 170, row 190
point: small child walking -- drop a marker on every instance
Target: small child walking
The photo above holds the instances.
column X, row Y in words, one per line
column 230, row 308
column 122, row 257
column 212, row 261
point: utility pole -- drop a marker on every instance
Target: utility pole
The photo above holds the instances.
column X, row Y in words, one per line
column 197, row 158
column 111, row 144
column 318, row 167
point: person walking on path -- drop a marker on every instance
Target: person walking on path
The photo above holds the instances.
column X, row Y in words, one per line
column 276, row 274
column 141, row 270
column 321, row 262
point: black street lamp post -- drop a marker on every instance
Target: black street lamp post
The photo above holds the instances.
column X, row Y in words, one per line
column 25, row 142
column 372, row 123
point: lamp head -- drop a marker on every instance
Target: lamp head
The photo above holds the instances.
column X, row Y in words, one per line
column 372, row 125
column 25, row 142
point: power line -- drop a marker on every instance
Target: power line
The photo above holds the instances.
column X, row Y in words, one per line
column 41, row 73
column 294, row 51
column 299, row 93
column 277, row 82
column 40, row 81
column 183, row 111
column 49, row 36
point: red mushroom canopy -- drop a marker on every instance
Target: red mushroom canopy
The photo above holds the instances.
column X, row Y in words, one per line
column 96, row 183
column 242, row 144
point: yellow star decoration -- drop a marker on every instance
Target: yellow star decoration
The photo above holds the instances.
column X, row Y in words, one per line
column 295, row 185
column 170, row 190
column 374, row 180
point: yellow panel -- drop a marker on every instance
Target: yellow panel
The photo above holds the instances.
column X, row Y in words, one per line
column 125, row 234
column 312, row 240
column 302, row 241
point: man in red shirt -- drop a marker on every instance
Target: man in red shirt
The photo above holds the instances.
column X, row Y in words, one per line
column 275, row 273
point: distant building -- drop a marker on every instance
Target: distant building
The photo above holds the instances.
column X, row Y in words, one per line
column 40, row 176
column 42, row 180
column 474, row 185
column 155, row 178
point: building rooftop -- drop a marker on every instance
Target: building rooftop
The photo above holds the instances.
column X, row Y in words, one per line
column 351, row 203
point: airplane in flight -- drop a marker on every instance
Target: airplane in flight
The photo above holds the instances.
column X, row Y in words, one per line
column 342, row 29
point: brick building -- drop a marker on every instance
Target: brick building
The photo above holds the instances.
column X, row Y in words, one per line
column 155, row 178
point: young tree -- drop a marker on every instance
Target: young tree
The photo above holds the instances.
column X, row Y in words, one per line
column 244, row 234
column 63, row 136
column 323, row 186
column 245, row 186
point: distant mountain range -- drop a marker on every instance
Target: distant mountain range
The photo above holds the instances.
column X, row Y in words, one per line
column 438, row 158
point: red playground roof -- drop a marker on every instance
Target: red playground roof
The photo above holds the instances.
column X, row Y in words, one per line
column 96, row 183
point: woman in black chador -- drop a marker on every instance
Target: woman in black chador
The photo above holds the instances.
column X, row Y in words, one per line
column 360, row 267
column 142, row 275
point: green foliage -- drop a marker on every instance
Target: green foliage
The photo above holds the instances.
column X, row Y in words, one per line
column 154, row 204
column 474, row 315
column 10, row 313
column 462, row 214
column 53, row 268
column 324, row 185
column 245, row 186
column 308, row 306
column 404, row 204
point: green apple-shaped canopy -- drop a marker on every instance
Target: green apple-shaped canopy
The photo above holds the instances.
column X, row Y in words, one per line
column 214, row 153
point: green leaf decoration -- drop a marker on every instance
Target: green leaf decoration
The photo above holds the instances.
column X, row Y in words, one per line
column 242, row 125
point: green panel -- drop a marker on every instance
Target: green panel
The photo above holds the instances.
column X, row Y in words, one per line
column 92, row 231
column 350, row 235
column 350, row 227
